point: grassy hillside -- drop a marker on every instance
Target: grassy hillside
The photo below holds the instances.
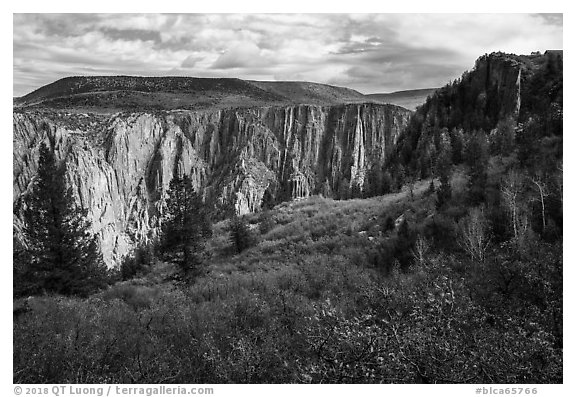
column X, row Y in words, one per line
column 364, row 290
column 311, row 93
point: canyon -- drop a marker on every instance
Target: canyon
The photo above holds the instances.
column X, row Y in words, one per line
column 123, row 138
column 119, row 166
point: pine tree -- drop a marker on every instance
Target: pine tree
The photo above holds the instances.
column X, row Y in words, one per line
column 388, row 224
column 477, row 160
column 444, row 192
column 240, row 234
column 62, row 255
column 356, row 191
column 456, row 141
column 185, row 225
column 326, row 190
column 404, row 244
column 268, row 201
column 431, row 188
column 344, row 189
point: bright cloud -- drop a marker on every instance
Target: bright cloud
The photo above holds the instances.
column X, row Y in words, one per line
column 367, row 52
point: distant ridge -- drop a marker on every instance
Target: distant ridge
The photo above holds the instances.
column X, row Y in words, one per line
column 165, row 93
column 409, row 99
column 303, row 91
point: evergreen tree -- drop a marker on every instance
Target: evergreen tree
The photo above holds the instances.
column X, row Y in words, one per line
column 62, row 256
column 326, row 190
column 344, row 189
column 504, row 136
column 388, row 224
column 400, row 178
column 268, row 200
column 387, row 183
column 266, row 222
column 185, row 225
column 431, row 188
column 356, row 191
column 456, row 142
column 240, row 234
column 137, row 263
column 444, row 192
column 477, row 161
column 374, row 183
column 404, row 244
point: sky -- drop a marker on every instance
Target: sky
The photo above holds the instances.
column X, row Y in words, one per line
column 367, row 52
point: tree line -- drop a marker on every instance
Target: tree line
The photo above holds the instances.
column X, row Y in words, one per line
column 55, row 250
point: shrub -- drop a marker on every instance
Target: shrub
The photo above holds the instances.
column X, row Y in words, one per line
column 138, row 263
column 266, row 222
column 240, row 234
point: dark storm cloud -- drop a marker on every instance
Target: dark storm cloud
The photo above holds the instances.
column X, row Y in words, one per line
column 367, row 52
column 394, row 52
column 59, row 25
column 132, row 34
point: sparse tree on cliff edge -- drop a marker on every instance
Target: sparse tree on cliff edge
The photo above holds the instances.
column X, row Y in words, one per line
column 62, row 255
column 185, row 224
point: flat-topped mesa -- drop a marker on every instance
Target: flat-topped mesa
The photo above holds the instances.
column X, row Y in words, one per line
column 109, row 94
column 119, row 167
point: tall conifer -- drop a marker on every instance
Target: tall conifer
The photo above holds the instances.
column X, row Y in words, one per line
column 185, row 225
column 63, row 256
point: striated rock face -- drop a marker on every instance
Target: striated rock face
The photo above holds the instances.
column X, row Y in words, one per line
column 500, row 76
column 119, row 167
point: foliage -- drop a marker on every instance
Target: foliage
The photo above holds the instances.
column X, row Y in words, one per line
column 268, row 201
column 322, row 320
column 267, row 222
column 240, row 234
column 404, row 245
column 444, row 193
column 388, row 224
column 467, row 289
column 474, row 235
column 326, row 190
column 343, row 189
column 59, row 253
column 476, row 155
column 138, row 263
column 185, row 225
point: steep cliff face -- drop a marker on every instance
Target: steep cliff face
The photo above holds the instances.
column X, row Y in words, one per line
column 501, row 88
column 119, row 167
column 499, row 76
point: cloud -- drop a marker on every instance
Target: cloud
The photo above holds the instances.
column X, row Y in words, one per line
column 132, row 34
column 551, row 18
column 191, row 61
column 367, row 52
column 240, row 55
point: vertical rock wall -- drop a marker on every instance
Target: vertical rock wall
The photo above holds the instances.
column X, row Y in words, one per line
column 120, row 168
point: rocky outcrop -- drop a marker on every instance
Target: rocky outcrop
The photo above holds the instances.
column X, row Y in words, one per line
column 499, row 75
column 119, row 167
